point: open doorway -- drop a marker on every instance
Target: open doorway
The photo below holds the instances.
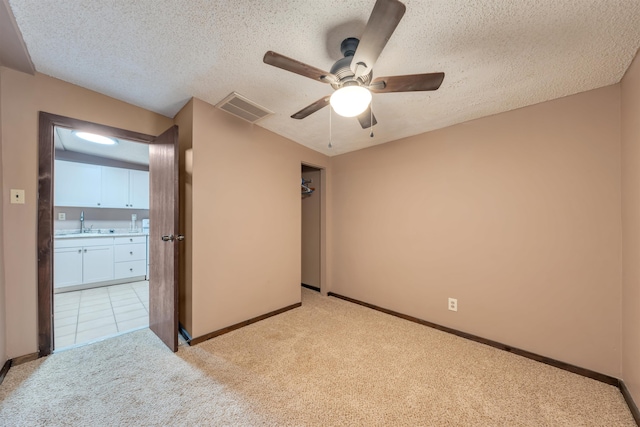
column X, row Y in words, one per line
column 311, row 189
column 100, row 241
column 163, row 227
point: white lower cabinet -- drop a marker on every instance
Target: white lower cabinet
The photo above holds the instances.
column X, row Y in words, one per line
column 130, row 256
column 81, row 261
column 86, row 260
column 97, row 264
column 130, row 269
column 67, row 267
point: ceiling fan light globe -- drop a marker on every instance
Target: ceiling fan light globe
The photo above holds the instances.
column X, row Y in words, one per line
column 350, row 101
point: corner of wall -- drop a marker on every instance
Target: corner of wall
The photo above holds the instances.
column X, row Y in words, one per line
column 3, row 320
column 630, row 154
column 247, row 213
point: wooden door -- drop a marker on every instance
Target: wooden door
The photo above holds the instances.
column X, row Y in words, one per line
column 163, row 242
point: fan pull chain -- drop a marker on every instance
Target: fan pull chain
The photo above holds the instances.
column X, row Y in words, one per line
column 330, row 145
column 371, row 118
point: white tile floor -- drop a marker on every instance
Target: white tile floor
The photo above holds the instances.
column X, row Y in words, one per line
column 85, row 316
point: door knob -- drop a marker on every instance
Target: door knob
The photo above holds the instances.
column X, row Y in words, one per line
column 168, row 238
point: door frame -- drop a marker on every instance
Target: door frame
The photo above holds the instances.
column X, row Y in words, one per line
column 46, row 156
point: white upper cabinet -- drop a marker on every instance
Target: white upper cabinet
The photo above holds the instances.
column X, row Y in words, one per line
column 138, row 189
column 77, row 184
column 115, row 187
column 84, row 185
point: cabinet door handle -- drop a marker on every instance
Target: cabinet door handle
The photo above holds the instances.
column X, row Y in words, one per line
column 130, row 253
column 85, row 251
column 131, row 269
column 98, row 204
column 79, row 251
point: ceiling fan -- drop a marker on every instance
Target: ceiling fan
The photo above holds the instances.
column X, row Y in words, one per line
column 351, row 76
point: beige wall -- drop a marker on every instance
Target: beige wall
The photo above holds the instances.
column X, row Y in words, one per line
column 247, row 209
column 630, row 89
column 184, row 120
column 3, row 298
column 23, row 96
column 311, row 231
column 246, row 219
column 516, row 215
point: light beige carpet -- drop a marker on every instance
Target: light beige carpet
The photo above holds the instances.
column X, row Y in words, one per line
column 327, row 363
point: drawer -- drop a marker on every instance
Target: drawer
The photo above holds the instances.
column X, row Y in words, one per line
column 125, row 240
column 131, row 252
column 130, row 269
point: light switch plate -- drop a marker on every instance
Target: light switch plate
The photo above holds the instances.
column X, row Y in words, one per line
column 62, row 216
column 17, row 196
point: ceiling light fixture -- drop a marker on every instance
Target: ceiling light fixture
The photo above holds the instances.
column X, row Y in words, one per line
column 350, row 101
column 98, row 139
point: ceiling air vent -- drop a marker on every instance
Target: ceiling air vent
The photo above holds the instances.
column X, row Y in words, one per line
column 240, row 106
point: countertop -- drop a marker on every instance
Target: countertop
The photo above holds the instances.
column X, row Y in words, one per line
column 77, row 235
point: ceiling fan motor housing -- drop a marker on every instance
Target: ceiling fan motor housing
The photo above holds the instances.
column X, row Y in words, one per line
column 342, row 68
column 353, row 73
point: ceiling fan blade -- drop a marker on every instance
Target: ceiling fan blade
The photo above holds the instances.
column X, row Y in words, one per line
column 408, row 83
column 366, row 118
column 382, row 23
column 310, row 109
column 281, row 61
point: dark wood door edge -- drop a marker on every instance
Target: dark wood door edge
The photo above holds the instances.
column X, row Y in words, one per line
column 313, row 288
column 228, row 329
column 630, row 403
column 524, row 353
column 5, row 370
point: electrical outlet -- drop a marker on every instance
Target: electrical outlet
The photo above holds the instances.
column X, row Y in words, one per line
column 17, row 196
column 62, row 216
column 453, row 304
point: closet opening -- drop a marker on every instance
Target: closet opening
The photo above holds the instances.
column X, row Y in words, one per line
column 311, row 189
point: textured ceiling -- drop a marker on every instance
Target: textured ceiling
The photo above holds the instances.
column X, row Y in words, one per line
column 497, row 55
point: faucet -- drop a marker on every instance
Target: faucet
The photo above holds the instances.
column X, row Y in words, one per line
column 82, row 222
